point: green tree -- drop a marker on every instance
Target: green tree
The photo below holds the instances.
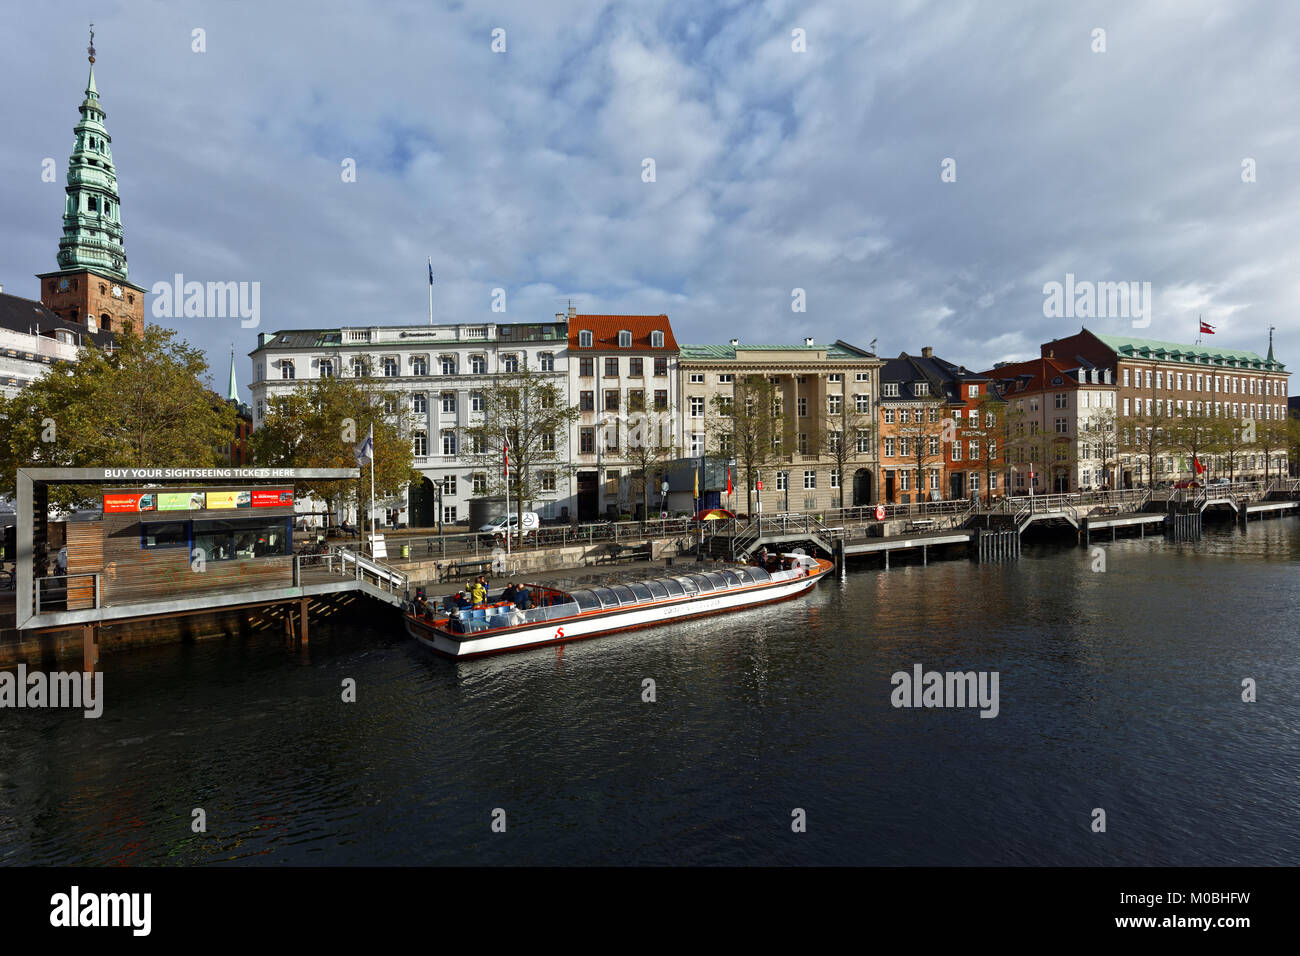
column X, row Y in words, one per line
column 319, row 424
column 141, row 403
column 529, row 409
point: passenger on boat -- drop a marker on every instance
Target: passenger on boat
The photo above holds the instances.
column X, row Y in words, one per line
column 421, row 604
column 478, row 592
column 523, row 598
column 509, row 594
column 462, row 600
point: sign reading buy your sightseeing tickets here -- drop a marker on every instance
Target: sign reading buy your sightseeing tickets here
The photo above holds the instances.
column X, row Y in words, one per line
column 194, row 501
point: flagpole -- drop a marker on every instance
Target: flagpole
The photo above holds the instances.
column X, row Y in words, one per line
column 506, row 440
column 431, row 290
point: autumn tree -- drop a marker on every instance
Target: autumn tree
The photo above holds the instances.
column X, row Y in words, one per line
column 142, row 402
column 320, row 423
column 527, row 409
column 651, row 445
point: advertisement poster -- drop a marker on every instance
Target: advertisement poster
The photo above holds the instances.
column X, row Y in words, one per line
column 118, row 504
column 273, row 499
column 180, row 501
column 230, row 499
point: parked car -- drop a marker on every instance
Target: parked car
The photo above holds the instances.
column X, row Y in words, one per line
column 1187, row 483
column 1218, row 481
column 496, row 529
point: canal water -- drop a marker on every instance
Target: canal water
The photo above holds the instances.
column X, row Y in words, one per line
column 1119, row 689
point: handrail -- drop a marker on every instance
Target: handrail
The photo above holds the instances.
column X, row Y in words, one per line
column 96, row 590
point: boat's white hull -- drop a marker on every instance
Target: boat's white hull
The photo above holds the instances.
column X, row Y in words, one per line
column 607, row 622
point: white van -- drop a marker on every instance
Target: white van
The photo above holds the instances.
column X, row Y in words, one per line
column 497, row 528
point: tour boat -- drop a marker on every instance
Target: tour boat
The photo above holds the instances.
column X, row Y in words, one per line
column 557, row 617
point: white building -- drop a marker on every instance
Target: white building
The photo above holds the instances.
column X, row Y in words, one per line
column 440, row 373
column 32, row 339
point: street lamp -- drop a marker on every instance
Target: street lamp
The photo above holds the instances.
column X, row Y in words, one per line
column 437, row 487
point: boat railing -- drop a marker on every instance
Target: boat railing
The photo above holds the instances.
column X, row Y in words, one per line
column 473, row 620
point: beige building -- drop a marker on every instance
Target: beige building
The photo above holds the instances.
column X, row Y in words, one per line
column 825, row 394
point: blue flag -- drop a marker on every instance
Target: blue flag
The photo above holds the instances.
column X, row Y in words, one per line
column 430, row 272
column 366, row 450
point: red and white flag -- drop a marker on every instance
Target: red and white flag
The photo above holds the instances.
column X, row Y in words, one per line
column 1207, row 328
column 505, row 453
column 1196, row 463
column 728, row 480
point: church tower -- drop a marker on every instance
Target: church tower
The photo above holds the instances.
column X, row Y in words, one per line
column 90, row 286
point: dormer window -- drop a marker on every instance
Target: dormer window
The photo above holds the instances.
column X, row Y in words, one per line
column 656, row 339
column 624, row 339
column 584, row 339
column 921, row 388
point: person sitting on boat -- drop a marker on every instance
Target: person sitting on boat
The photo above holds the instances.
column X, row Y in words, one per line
column 523, row 598
column 421, row 604
column 478, row 592
column 462, row 600
column 761, row 559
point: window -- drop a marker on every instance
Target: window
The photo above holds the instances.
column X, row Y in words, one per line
column 448, row 363
column 889, row 389
column 904, row 447
column 862, row 403
column 934, row 479
column 934, row 444
column 661, row 366
column 326, row 368
column 862, row 377
column 286, row 368
column 476, row 401
column 956, row 450
column 419, row 366
column 726, row 378
column 636, row 366
column 1061, row 427
column 586, row 367
column 803, row 406
column 809, row 480
column 1126, row 378
column 587, row 441
column 419, row 403
column 696, row 444
column 390, row 404
column 478, row 364
column 478, row 445
column 889, row 448
column 974, row 449
column 972, row 391
column 656, row 339
column 611, row 399
column 835, row 377
column 546, row 360
column 725, row 444
column 1060, row 399
column 233, row 538
column 697, row 378
column 624, row 339
column 584, row 339
column 548, row 442
column 1126, row 406
column 661, row 399
column 448, row 402
column 636, row 400
column 863, row 440
column 390, row 367
column 611, row 444
column 548, row 480
column 510, row 363
column 164, row 534
column 587, row 401
column 448, row 442
column 905, row 481
column 920, row 388
column 782, row 480
column 889, row 416
column 803, row 443
column 478, row 482
column 990, row 420
column 776, row 443
column 834, row 404
column 420, row 446
column 835, row 477
column 697, row 407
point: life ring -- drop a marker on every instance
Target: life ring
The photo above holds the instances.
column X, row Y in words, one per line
column 880, row 512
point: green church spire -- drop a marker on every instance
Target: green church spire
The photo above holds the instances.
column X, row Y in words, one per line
column 233, row 391
column 92, row 224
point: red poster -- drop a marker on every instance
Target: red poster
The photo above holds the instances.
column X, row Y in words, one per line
column 117, row 504
column 273, row 499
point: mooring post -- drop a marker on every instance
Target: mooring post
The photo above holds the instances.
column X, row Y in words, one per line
column 303, row 613
column 89, row 648
column 924, row 557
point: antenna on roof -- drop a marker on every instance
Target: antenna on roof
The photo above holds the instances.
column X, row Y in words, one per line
column 872, row 347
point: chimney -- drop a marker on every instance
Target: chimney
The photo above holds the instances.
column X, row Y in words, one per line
column 927, row 351
column 559, row 316
column 573, row 313
column 1051, row 353
column 735, row 342
column 808, row 340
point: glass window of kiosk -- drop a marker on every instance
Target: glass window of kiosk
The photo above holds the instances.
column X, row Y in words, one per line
column 241, row 539
column 164, row 534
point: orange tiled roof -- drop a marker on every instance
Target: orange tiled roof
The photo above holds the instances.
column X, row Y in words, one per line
column 605, row 329
column 1040, row 370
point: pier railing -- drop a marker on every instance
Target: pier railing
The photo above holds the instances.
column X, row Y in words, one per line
column 350, row 564
column 67, row 592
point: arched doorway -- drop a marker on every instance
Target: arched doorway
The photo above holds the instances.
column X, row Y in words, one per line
column 424, row 504
column 862, row 487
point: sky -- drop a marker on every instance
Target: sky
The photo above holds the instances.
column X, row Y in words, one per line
column 913, row 173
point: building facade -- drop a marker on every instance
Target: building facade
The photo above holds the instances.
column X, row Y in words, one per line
column 33, row 339
column 440, row 374
column 1165, row 381
column 824, row 398
column 939, row 430
column 1060, row 429
column 623, row 379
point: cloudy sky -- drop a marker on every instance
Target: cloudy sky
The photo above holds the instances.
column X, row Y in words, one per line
column 774, row 169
